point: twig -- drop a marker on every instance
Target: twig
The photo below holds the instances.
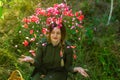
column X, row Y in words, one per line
column 110, row 14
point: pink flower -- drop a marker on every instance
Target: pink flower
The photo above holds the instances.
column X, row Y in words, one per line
column 40, row 11
column 32, row 52
column 62, row 5
column 59, row 21
column 72, row 27
column 50, row 20
column 32, row 39
column 56, row 12
column 25, row 43
column 68, row 46
column 50, row 10
column 44, row 44
column 34, row 18
column 56, row 5
column 37, row 11
column 53, row 11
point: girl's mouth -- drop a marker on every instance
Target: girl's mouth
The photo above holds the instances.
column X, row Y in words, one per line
column 55, row 38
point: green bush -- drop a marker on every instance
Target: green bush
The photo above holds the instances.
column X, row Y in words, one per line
column 6, row 59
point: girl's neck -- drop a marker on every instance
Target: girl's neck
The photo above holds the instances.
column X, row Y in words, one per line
column 55, row 43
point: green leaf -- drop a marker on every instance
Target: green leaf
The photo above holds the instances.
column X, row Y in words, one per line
column 1, row 12
column 102, row 60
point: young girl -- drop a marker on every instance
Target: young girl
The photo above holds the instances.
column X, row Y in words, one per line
column 54, row 57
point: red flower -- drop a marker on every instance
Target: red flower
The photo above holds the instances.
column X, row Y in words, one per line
column 25, row 43
column 74, row 56
column 26, row 20
column 31, row 31
column 48, row 14
column 77, row 13
column 44, row 30
column 68, row 13
column 80, row 18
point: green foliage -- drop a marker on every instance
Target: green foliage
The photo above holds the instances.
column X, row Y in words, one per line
column 116, row 11
column 6, row 59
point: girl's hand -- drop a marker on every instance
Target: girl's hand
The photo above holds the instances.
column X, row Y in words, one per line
column 24, row 58
column 81, row 71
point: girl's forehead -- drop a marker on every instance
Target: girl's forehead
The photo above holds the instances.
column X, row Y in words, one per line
column 56, row 29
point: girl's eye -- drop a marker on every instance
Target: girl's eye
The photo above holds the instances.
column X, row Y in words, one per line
column 58, row 33
column 52, row 32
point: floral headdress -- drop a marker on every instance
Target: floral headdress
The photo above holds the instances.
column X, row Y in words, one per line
column 60, row 13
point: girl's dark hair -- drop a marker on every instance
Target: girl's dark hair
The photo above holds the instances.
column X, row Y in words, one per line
column 62, row 29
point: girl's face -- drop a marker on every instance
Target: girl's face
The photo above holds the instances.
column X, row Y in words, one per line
column 55, row 35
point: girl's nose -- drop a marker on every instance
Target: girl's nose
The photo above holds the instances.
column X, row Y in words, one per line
column 55, row 34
